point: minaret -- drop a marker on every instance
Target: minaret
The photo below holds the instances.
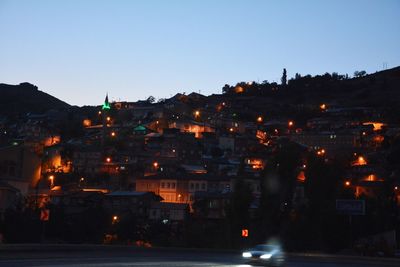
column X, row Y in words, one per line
column 106, row 104
column 105, row 109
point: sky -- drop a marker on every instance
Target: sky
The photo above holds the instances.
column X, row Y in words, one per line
column 78, row 50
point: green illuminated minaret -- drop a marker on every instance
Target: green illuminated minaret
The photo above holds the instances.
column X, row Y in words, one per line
column 106, row 104
column 105, row 109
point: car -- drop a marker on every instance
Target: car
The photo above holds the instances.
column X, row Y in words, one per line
column 271, row 255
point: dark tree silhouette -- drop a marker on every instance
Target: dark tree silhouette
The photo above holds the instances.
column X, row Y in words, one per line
column 284, row 77
column 151, row 99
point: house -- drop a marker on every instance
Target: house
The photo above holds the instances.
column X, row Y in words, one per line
column 188, row 126
column 211, row 205
column 168, row 211
column 8, row 196
column 181, row 187
column 19, row 167
column 138, row 203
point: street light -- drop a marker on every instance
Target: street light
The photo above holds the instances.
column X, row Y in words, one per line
column 108, row 159
column 321, row 152
column 51, row 178
column 115, row 219
column 197, row 114
column 362, row 161
column 259, row 119
column 347, row 183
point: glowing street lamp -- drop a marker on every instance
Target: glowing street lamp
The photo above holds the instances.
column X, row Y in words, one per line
column 113, row 134
column 290, row 123
column 81, row 181
column 51, row 178
column 321, row 152
column 260, row 119
column 108, row 119
column 115, row 219
column 347, row 183
column 108, row 159
column 322, row 107
column 155, row 164
column 361, row 160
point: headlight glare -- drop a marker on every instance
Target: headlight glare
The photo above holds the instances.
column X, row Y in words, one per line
column 246, row 254
column 265, row 256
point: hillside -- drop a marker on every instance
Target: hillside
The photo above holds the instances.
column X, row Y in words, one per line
column 25, row 97
column 374, row 90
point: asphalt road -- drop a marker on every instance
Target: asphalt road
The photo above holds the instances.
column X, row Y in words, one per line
column 127, row 256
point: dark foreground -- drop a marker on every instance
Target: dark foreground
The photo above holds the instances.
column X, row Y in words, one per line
column 61, row 255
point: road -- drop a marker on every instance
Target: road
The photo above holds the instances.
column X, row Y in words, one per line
column 91, row 256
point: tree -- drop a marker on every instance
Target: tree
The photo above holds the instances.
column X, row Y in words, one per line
column 238, row 214
column 226, row 89
column 151, row 99
column 359, row 74
column 284, row 78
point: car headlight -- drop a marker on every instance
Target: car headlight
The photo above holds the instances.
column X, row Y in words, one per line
column 265, row 256
column 246, row 255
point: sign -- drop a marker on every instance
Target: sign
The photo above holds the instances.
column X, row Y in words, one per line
column 44, row 214
column 245, row 233
column 350, row 206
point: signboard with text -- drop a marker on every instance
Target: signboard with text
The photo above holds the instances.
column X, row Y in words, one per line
column 350, row 206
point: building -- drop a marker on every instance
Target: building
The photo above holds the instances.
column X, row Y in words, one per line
column 168, row 211
column 19, row 167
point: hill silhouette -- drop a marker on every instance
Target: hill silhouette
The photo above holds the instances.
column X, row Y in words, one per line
column 372, row 90
column 24, row 98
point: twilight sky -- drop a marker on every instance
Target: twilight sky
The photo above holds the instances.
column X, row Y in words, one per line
column 77, row 50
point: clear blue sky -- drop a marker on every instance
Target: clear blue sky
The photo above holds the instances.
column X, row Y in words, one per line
column 78, row 50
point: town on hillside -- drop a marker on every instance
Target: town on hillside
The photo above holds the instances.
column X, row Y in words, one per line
column 311, row 156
